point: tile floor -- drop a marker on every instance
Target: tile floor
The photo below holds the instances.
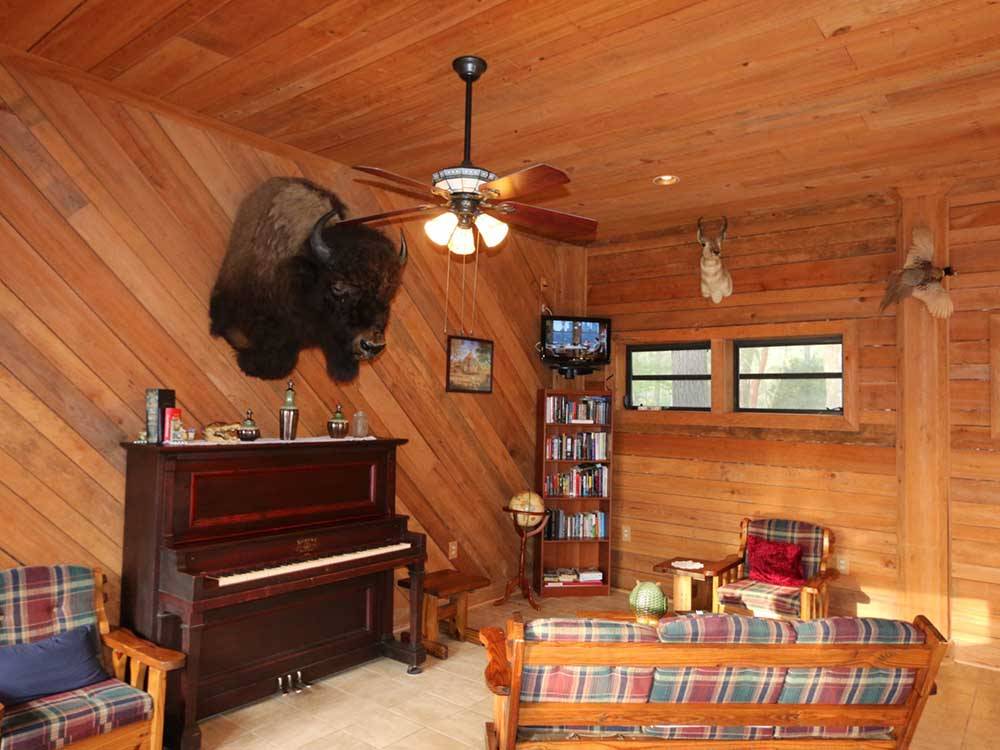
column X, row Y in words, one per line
column 379, row 706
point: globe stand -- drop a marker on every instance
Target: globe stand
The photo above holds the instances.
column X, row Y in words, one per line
column 521, row 580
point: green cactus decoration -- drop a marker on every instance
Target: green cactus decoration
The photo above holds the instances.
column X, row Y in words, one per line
column 648, row 602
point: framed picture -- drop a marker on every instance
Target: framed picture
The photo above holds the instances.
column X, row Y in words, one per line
column 470, row 365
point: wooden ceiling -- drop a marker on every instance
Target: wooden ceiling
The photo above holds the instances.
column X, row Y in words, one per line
column 752, row 103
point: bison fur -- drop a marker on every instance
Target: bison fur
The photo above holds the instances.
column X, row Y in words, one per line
column 293, row 278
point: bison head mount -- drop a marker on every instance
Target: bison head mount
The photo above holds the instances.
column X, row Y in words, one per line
column 296, row 276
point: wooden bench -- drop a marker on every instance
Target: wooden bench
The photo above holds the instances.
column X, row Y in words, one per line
column 446, row 599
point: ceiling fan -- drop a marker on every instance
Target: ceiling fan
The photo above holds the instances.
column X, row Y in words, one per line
column 475, row 197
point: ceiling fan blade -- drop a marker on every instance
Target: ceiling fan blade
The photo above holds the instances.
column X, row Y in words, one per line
column 399, row 179
column 546, row 221
column 532, row 179
column 398, row 213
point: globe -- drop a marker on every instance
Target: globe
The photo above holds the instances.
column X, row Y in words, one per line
column 530, row 501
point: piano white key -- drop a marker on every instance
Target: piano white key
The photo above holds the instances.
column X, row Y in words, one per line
column 319, row 562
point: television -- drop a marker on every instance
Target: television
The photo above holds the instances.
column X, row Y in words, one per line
column 575, row 345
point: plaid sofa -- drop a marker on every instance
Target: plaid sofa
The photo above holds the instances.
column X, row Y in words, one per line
column 37, row 603
column 765, row 599
column 716, row 685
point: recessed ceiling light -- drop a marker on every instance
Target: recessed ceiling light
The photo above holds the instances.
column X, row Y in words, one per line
column 666, row 179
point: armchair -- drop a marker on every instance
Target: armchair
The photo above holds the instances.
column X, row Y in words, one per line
column 734, row 592
column 122, row 713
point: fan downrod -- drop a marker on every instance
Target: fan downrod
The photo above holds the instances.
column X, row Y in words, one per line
column 469, row 67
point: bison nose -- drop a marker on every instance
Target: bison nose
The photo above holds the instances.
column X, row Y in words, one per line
column 371, row 348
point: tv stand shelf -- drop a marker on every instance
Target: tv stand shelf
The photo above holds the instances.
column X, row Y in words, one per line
column 560, row 433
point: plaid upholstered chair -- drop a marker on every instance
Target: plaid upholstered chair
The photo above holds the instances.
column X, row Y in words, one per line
column 122, row 713
column 735, row 592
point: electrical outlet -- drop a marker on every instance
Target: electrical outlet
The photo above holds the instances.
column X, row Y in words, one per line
column 843, row 567
column 626, row 533
column 452, row 550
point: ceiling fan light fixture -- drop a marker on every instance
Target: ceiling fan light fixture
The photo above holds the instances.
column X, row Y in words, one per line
column 462, row 241
column 440, row 228
column 666, row 179
column 493, row 231
column 462, row 179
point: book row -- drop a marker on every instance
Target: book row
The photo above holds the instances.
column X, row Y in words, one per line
column 587, row 446
column 591, row 525
column 585, row 410
column 580, row 481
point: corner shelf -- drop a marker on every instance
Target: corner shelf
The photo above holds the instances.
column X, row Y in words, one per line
column 580, row 553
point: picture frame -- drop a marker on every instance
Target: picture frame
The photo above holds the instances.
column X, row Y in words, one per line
column 469, row 365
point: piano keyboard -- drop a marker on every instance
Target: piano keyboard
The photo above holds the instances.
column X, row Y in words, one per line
column 319, row 562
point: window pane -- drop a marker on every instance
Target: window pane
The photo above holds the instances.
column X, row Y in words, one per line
column 677, row 394
column 791, row 358
column 672, row 362
column 788, row 394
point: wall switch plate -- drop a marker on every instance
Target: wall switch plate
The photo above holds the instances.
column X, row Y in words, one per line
column 452, row 550
column 626, row 533
column 843, row 567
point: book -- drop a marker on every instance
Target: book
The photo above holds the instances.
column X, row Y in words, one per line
column 158, row 400
column 169, row 414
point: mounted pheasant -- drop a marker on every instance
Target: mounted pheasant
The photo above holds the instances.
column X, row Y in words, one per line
column 920, row 278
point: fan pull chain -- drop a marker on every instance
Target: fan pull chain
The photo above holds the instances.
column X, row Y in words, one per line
column 475, row 287
column 447, row 293
column 462, row 313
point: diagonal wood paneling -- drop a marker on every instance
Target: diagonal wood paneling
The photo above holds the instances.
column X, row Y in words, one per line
column 113, row 219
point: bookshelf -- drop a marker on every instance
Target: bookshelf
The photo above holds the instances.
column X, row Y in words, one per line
column 573, row 476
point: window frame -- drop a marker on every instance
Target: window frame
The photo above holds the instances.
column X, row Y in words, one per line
column 680, row 346
column 738, row 344
column 722, row 414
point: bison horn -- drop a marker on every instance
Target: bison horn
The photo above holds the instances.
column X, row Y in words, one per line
column 319, row 247
column 403, row 252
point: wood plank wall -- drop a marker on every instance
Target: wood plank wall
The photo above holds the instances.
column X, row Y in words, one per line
column 975, row 458
column 683, row 490
column 114, row 216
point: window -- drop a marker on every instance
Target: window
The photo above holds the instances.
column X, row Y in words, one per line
column 670, row 376
column 795, row 376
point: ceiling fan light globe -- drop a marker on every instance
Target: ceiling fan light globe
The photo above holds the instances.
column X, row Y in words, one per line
column 493, row 231
column 440, row 228
column 462, row 241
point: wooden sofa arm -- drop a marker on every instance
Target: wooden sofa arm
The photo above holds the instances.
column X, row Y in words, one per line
column 497, row 668
column 724, row 565
column 143, row 651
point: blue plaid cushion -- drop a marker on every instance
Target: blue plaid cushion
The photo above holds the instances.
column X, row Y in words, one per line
column 848, row 686
column 763, row 599
column 808, row 536
column 567, row 684
column 62, row 719
column 39, row 602
column 712, row 685
column 724, row 629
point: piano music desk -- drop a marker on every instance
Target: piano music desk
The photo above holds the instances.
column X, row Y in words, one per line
column 446, row 598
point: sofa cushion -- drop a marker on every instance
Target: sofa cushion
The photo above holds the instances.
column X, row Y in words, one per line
column 565, row 684
column 53, row 665
column 587, row 631
column 547, row 734
column 762, row 599
column 724, row 629
column 61, row 719
column 42, row 601
column 806, row 535
column 715, row 685
column 846, row 686
column 709, row 733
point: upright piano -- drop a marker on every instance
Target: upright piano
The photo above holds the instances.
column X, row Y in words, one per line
column 269, row 564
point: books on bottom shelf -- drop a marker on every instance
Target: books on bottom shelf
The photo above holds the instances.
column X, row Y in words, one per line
column 570, row 577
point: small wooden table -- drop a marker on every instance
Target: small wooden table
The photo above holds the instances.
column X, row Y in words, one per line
column 446, row 598
column 682, row 580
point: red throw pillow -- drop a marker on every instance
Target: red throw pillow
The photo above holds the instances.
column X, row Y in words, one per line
column 777, row 563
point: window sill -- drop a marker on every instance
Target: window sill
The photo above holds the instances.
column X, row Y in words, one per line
column 838, row 422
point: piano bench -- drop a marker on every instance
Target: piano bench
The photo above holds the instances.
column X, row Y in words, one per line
column 446, row 600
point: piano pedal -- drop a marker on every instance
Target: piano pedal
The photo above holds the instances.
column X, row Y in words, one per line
column 414, row 670
column 281, row 685
column 302, row 683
